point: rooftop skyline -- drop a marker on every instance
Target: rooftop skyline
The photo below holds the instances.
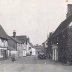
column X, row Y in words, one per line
column 34, row 18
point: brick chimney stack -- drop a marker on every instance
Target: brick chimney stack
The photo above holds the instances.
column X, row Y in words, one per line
column 14, row 33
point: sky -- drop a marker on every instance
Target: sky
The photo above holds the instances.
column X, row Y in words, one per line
column 34, row 18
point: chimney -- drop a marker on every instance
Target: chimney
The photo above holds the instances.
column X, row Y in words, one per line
column 14, row 33
column 69, row 10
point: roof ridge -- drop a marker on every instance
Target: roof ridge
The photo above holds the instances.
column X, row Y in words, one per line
column 16, row 40
column 63, row 25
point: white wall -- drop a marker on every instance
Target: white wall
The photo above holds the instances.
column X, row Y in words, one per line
column 3, row 43
column 55, row 52
column 22, row 49
column 33, row 51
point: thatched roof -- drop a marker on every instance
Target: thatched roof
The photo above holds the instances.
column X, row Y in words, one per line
column 3, row 33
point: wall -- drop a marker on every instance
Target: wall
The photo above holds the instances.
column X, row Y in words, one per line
column 69, row 44
column 12, row 43
column 20, row 49
column 3, row 48
column 3, row 43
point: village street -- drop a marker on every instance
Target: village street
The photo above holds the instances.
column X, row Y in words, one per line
column 26, row 60
column 32, row 64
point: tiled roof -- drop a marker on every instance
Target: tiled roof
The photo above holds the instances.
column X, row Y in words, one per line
column 12, row 43
column 11, row 48
column 62, row 26
column 16, row 40
column 22, row 38
column 3, row 33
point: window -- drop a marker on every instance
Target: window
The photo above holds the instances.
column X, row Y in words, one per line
column 29, row 48
column 2, row 40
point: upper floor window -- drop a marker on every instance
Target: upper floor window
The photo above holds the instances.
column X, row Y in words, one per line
column 29, row 48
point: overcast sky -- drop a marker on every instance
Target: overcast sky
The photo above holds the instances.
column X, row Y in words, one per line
column 34, row 18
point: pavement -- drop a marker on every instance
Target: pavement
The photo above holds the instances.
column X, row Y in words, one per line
column 33, row 64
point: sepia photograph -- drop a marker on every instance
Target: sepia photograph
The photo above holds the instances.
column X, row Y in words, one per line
column 35, row 35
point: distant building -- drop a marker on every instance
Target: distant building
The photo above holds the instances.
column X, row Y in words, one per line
column 23, row 39
column 45, row 46
column 14, row 45
column 33, row 51
column 49, row 44
column 21, row 44
column 27, row 45
column 39, row 48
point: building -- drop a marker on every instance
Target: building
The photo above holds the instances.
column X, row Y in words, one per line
column 49, row 48
column 28, row 48
column 60, row 42
column 39, row 48
column 21, row 44
column 3, row 44
column 45, row 46
column 15, row 45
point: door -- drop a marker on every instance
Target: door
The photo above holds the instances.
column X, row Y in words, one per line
column 24, row 52
column 4, row 54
